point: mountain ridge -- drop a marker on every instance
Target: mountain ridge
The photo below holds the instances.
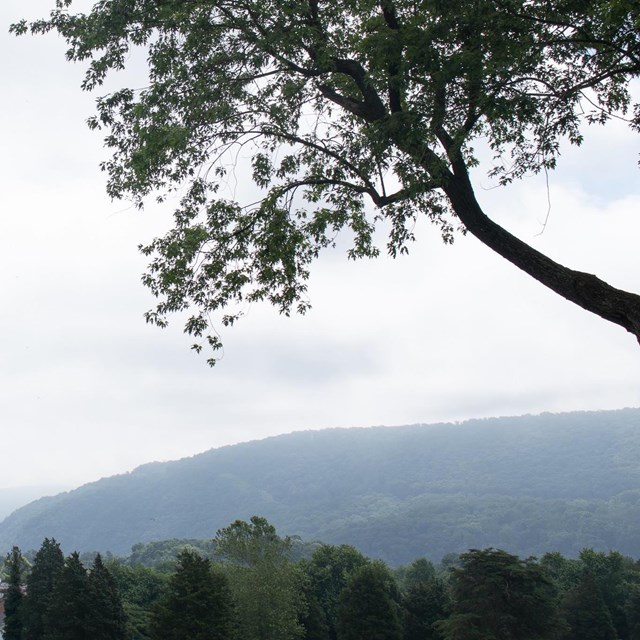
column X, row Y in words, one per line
column 567, row 480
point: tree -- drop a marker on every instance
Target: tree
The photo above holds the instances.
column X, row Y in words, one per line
column 369, row 605
column 47, row 567
column 586, row 613
column 197, row 605
column 328, row 572
column 497, row 596
column 12, row 629
column 355, row 115
column 108, row 620
column 266, row 585
column 424, row 603
column 69, row 615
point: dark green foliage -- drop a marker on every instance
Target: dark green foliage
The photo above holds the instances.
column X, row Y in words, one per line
column 369, row 605
column 41, row 582
column 328, row 571
column 497, row 596
column 197, row 604
column 314, row 620
column 69, row 613
column 586, row 613
column 140, row 588
column 13, row 598
column 107, row 617
column 424, row 604
column 357, row 116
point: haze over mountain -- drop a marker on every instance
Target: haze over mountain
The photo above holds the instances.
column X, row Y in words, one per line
column 529, row 484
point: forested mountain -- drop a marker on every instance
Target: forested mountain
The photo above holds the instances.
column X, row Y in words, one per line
column 527, row 485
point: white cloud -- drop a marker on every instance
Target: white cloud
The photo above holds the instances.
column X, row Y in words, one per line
column 87, row 389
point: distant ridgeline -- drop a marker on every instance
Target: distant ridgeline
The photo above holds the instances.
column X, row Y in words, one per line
column 528, row 485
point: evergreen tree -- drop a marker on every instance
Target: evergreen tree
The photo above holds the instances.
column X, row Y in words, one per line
column 586, row 612
column 107, row 617
column 198, row 604
column 47, row 566
column 368, row 607
column 69, row 613
column 13, row 599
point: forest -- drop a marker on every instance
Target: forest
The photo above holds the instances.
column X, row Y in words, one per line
column 249, row 583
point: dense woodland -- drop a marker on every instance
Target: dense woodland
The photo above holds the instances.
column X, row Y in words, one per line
column 250, row 584
column 528, row 485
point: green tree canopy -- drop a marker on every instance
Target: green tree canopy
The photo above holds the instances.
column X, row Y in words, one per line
column 198, row 603
column 266, row 585
column 356, row 115
column 12, row 629
column 69, row 614
column 497, row 596
column 47, row 567
column 108, row 620
column 327, row 573
column 369, row 607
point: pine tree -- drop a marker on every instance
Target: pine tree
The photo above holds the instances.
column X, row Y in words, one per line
column 368, row 608
column 13, row 598
column 47, row 566
column 69, row 613
column 107, row 619
column 197, row 605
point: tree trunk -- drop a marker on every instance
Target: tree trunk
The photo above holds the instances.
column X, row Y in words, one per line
column 584, row 289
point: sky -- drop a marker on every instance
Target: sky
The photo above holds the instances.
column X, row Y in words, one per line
column 448, row 333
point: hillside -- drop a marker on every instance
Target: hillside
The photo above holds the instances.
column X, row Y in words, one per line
column 529, row 485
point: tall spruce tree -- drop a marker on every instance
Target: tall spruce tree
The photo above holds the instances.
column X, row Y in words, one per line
column 107, row 617
column 69, row 613
column 13, row 599
column 198, row 604
column 47, row 567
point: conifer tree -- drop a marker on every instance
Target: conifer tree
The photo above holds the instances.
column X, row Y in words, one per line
column 107, row 617
column 13, row 598
column 46, row 569
column 197, row 605
column 69, row 613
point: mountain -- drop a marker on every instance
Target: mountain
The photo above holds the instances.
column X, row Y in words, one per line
column 529, row 484
column 13, row 497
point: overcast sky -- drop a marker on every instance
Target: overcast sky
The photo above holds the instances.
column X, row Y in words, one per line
column 448, row 333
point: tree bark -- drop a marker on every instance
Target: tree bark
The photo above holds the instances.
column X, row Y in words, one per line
column 583, row 289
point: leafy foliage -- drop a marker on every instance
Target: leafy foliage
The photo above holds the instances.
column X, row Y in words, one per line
column 266, row 585
column 338, row 106
column 497, row 596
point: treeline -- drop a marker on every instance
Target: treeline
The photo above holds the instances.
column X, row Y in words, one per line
column 251, row 584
